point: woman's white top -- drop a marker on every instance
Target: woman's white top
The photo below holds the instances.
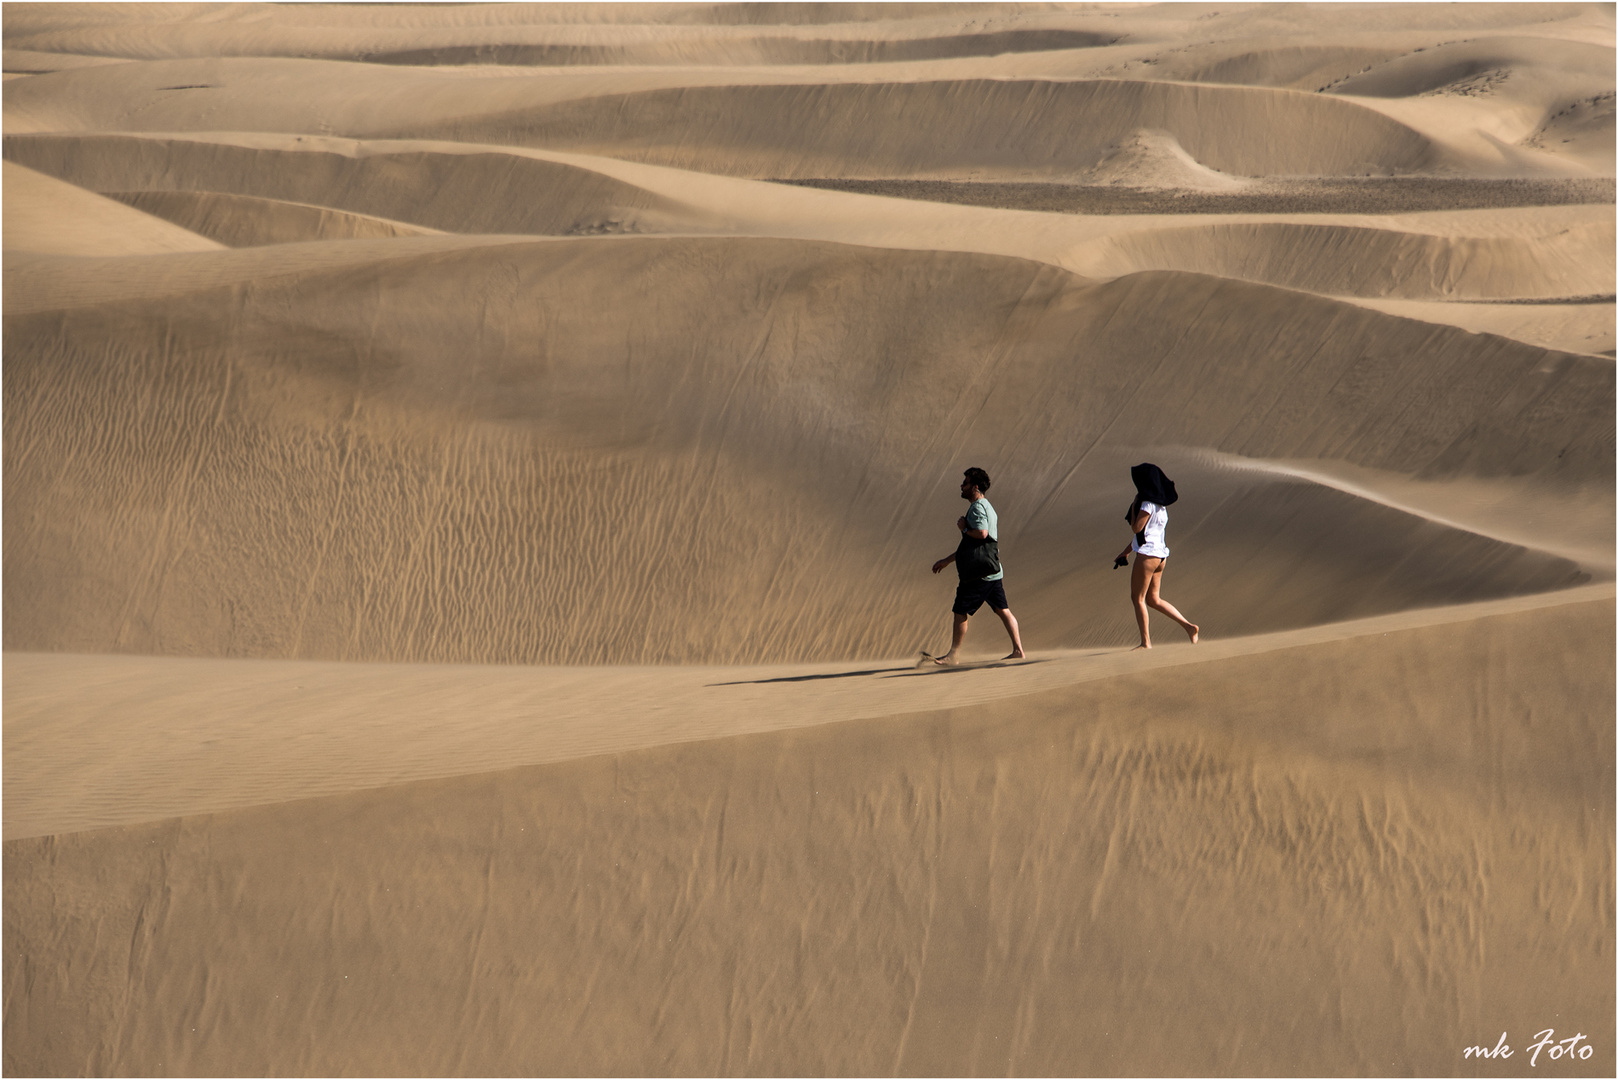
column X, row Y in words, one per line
column 1157, row 519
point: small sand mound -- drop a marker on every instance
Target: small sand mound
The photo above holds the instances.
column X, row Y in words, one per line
column 1155, row 159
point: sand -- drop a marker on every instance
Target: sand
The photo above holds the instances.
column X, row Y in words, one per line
column 471, row 473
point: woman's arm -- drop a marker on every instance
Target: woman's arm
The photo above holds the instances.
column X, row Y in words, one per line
column 1135, row 526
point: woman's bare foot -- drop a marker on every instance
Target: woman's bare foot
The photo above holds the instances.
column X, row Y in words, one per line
column 1138, row 648
column 1192, row 631
column 944, row 661
column 1018, row 655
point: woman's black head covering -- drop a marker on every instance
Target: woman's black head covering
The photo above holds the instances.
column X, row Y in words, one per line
column 1151, row 485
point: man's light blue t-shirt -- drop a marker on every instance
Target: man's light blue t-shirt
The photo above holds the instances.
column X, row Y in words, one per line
column 982, row 516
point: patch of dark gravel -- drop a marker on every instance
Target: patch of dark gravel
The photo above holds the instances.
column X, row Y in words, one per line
column 1364, row 195
column 1592, row 298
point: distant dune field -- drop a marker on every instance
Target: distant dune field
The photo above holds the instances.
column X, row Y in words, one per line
column 471, row 474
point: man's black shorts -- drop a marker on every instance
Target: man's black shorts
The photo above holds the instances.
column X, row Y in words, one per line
column 970, row 595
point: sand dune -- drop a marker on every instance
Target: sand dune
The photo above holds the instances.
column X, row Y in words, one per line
column 838, row 129
column 29, row 62
column 1282, row 63
column 841, row 130
column 1345, row 260
column 1557, row 58
column 1581, row 327
column 46, row 216
column 1533, row 68
column 88, row 762
column 458, row 187
column 467, row 522
column 1537, row 252
column 367, row 387
column 245, row 221
column 1402, row 847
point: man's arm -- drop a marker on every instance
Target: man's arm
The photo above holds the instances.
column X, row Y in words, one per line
column 975, row 534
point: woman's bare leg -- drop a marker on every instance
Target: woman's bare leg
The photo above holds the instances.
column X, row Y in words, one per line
column 1140, row 576
column 1156, row 601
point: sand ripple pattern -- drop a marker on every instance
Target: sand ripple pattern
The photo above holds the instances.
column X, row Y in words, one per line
column 450, row 458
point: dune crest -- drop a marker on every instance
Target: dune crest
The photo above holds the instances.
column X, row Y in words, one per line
column 623, row 420
column 245, row 221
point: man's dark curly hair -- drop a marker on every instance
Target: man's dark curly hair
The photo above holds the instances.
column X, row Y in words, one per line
column 979, row 479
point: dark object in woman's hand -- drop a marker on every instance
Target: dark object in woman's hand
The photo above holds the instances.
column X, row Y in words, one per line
column 1122, row 560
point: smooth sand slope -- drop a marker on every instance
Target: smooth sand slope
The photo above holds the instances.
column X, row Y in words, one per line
column 48, row 217
column 195, row 725
column 467, row 521
column 1363, row 854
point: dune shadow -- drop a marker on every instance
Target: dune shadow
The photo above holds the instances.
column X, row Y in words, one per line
column 939, row 669
column 811, row 678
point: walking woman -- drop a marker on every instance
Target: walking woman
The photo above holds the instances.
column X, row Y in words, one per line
column 1148, row 516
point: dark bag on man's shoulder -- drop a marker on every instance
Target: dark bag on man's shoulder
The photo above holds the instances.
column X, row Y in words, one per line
column 977, row 559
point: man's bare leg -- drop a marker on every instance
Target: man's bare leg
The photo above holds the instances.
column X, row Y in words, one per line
column 958, row 635
column 1011, row 630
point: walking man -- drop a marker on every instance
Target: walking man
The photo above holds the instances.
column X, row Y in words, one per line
column 977, row 561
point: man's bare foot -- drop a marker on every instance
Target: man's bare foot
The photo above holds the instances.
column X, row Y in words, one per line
column 1192, row 631
column 944, row 661
column 1138, row 648
column 1018, row 655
